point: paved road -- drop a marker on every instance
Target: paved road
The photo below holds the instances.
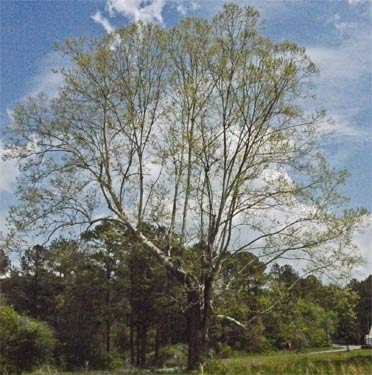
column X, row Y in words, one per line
column 338, row 348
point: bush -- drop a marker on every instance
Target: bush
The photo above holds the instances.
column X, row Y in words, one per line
column 45, row 370
column 224, row 350
column 114, row 361
column 173, row 356
column 215, row 367
column 25, row 342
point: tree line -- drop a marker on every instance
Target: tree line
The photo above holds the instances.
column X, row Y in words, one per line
column 106, row 302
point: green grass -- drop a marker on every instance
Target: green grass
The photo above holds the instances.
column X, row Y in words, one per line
column 51, row 371
column 357, row 362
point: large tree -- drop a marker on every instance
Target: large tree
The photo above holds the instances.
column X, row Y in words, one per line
column 364, row 306
column 200, row 129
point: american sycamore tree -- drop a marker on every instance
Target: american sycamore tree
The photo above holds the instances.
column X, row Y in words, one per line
column 200, row 130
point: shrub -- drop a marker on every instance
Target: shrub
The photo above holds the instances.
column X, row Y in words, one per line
column 215, row 367
column 173, row 355
column 25, row 342
column 114, row 361
column 224, row 350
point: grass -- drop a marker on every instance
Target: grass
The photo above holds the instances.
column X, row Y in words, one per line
column 51, row 371
column 357, row 362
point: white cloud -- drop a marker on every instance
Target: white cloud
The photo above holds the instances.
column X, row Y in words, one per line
column 138, row 10
column 272, row 219
column 8, row 172
column 184, row 7
column 343, row 86
column 46, row 79
column 355, row 2
column 9, row 113
column 363, row 239
column 104, row 22
column 181, row 9
column 341, row 128
column 144, row 10
column 345, row 61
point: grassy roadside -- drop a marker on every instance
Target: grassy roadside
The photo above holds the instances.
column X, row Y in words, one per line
column 357, row 362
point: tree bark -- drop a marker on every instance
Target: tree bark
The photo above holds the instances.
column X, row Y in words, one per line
column 198, row 328
column 143, row 345
column 138, row 344
column 108, row 337
column 157, row 345
column 132, row 352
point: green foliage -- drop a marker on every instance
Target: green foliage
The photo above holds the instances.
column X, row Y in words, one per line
column 173, row 356
column 114, row 360
column 78, row 284
column 4, row 262
column 25, row 343
column 94, row 294
column 240, row 287
column 352, row 363
column 309, row 326
column 223, row 350
column 343, row 302
column 364, row 305
column 216, row 367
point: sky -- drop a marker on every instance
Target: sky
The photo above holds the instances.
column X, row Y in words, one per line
column 337, row 35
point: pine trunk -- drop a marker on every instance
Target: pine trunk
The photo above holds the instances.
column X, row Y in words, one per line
column 132, row 351
column 157, row 345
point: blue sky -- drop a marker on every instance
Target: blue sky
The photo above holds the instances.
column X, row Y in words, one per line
column 336, row 34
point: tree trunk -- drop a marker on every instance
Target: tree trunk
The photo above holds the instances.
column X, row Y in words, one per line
column 198, row 328
column 108, row 337
column 138, row 344
column 108, row 309
column 167, row 325
column 132, row 352
column 157, row 345
column 143, row 345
